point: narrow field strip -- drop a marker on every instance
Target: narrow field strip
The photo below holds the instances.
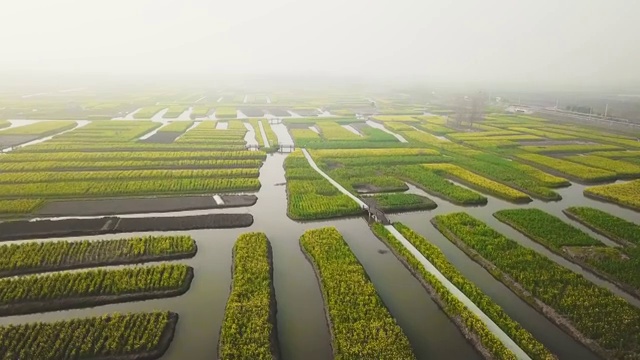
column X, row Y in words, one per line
column 480, row 183
column 79, row 124
column 92, row 189
column 361, row 327
column 55, row 176
column 68, row 290
column 624, row 194
column 143, row 336
column 490, row 325
column 569, row 169
column 624, row 232
column 249, row 329
column 619, row 266
column 35, row 257
column 602, row 321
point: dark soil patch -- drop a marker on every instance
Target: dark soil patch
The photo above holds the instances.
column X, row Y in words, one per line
column 163, row 137
column 24, row 229
column 14, row 140
column 279, row 112
column 78, row 302
column 141, row 205
column 252, row 112
column 305, row 112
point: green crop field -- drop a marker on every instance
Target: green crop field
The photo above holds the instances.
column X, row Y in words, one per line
column 368, row 211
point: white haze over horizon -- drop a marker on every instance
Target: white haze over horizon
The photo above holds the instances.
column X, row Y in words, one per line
column 528, row 42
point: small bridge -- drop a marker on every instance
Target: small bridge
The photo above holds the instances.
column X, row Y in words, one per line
column 374, row 212
column 286, row 148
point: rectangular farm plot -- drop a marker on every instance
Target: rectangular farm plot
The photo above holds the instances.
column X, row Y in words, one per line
column 616, row 265
column 542, row 133
column 334, row 131
column 436, row 185
column 621, row 168
column 141, row 335
column 624, row 194
column 103, row 132
column 361, row 326
column 572, row 148
column 168, row 133
column 352, row 153
column 47, row 256
column 624, row 232
column 26, row 133
column 208, row 133
column 249, row 327
column 68, row 290
column 226, row 112
column 148, row 112
column 174, row 111
column 479, row 182
column 40, row 128
column 200, row 112
column 572, row 170
column 310, row 196
column 142, row 205
column 522, row 177
column 586, row 306
column 344, row 134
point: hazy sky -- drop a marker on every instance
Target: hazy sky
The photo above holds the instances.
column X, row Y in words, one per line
column 503, row 41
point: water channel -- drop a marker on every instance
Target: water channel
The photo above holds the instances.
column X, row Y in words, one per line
column 302, row 328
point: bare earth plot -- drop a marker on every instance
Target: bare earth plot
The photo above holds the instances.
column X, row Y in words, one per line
column 142, row 205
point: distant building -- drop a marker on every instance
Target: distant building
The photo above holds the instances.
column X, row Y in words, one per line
column 520, row 109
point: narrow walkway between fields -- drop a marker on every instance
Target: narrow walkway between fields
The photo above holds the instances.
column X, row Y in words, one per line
column 501, row 335
column 495, row 329
column 333, row 182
